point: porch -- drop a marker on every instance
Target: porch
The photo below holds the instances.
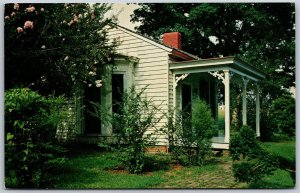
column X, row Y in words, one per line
column 207, row 78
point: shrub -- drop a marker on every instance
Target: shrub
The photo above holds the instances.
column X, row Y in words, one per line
column 136, row 115
column 30, row 146
column 282, row 113
column 193, row 139
column 251, row 161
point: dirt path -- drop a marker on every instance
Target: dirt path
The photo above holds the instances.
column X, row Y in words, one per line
column 219, row 177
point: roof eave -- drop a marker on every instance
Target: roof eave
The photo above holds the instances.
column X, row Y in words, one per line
column 215, row 63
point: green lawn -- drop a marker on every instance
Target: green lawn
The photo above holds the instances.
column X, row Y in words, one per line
column 285, row 149
column 98, row 170
column 94, row 169
column 283, row 177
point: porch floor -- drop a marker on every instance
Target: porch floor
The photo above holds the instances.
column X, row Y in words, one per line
column 218, row 142
column 218, row 139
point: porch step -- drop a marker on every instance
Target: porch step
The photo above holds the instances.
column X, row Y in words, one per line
column 157, row 149
column 217, row 153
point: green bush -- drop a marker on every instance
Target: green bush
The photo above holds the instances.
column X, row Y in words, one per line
column 30, row 146
column 192, row 144
column 251, row 161
column 243, row 143
column 282, row 113
column 136, row 116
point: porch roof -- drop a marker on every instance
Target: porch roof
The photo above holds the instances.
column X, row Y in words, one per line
column 230, row 63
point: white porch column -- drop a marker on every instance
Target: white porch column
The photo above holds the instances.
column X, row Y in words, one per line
column 174, row 91
column 227, row 105
column 106, row 100
column 257, row 111
column 245, row 82
column 216, row 104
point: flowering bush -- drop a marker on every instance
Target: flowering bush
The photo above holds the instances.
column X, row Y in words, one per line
column 52, row 47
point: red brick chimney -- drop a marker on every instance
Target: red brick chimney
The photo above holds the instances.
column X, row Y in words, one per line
column 172, row 39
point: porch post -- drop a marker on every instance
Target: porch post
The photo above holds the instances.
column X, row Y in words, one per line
column 106, row 100
column 174, row 91
column 245, row 82
column 227, row 105
column 216, row 105
column 257, row 111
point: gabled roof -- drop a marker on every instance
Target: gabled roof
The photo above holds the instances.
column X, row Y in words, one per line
column 173, row 51
column 191, row 61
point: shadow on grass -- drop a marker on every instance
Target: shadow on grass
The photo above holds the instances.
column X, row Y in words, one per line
column 279, row 179
column 263, row 184
column 288, row 165
column 156, row 163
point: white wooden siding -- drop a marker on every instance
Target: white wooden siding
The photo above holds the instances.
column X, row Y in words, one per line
column 152, row 70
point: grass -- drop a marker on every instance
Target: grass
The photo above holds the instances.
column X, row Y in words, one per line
column 94, row 170
column 285, row 149
column 98, row 170
column 285, row 177
column 88, row 168
column 279, row 179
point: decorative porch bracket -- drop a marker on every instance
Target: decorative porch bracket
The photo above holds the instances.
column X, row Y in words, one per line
column 245, row 82
column 218, row 75
column 178, row 78
column 221, row 75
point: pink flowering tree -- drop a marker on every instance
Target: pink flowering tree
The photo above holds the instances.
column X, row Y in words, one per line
column 52, row 47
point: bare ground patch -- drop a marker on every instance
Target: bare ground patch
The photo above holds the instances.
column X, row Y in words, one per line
column 219, row 177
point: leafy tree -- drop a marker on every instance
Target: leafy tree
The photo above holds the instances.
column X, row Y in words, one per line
column 262, row 34
column 52, row 47
column 282, row 113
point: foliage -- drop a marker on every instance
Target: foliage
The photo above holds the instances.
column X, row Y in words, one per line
column 256, row 32
column 132, row 124
column 239, row 29
column 282, row 113
column 52, row 47
column 251, row 161
column 193, row 135
column 30, row 146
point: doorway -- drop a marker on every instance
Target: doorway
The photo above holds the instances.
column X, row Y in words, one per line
column 92, row 123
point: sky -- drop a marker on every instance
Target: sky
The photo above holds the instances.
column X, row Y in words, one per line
column 123, row 11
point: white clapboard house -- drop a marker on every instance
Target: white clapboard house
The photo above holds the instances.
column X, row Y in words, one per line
column 172, row 77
